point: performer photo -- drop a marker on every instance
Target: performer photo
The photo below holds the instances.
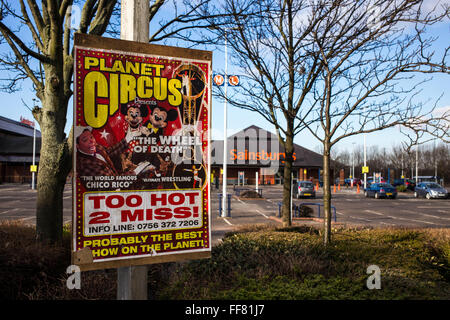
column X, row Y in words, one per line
column 94, row 159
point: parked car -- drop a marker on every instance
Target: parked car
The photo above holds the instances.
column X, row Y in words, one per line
column 305, row 189
column 381, row 190
column 430, row 190
column 348, row 182
column 370, row 180
column 410, row 184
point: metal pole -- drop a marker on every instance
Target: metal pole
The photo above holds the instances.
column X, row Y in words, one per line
column 435, row 162
column 290, row 198
column 402, row 167
column 417, row 164
column 33, row 174
column 225, row 153
column 132, row 281
column 353, row 164
column 365, row 163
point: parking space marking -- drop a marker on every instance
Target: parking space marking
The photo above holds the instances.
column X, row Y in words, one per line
column 358, row 218
column 389, row 224
column 10, row 210
column 262, row 214
column 436, row 217
column 9, row 189
column 427, row 207
column 408, row 219
column 225, row 219
column 28, row 218
column 374, row 212
column 420, row 221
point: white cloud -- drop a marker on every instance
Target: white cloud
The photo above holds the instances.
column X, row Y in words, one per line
column 442, row 111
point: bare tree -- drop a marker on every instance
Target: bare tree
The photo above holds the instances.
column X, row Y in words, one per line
column 46, row 58
column 336, row 67
column 369, row 49
column 39, row 37
column 267, row 44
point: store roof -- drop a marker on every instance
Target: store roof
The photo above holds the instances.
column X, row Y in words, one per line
column 17, row 128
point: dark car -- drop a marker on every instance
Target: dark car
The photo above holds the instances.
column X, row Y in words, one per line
column 410, row 184
column 305, row 189
column 381, row 190
column 430, row 190
column 356, row 181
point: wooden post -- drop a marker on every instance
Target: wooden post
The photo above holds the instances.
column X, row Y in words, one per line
column 134, row 26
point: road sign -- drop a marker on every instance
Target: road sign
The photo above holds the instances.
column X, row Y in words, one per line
column 33, row 168
column 218, row 80
column 233, row 80
column 365, row 169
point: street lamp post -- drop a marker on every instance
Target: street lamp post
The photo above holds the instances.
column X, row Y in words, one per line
column 417, row 163
column 353, row 164
column 225, row 138
column 225, row 124
column 33, row 173
column 365, row 159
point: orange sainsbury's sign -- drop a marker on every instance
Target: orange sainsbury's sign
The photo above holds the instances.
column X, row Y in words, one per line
column 258, row 155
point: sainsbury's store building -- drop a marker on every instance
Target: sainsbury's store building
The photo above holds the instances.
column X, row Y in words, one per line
column 254, row 153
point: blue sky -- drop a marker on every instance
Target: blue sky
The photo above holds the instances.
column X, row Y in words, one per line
column 238, row 119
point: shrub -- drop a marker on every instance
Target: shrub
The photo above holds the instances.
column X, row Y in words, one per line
column 32, row 270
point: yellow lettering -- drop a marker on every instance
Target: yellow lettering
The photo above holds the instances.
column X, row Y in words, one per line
column 160, row 88
column 118, row 66
column 146, row 69
column 127, row 88
column 113, row 93
column 144, row 87
column 129, row 66
column 95, row 85
column 103, row 67
column 175, row 98
column 158, row 69
column 90, row 62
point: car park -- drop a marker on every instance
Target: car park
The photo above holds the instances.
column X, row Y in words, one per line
column 305, row 189
column 430, row 190
column 348, row 182
column 370, row 180
column 409, row 183
column 381, row 190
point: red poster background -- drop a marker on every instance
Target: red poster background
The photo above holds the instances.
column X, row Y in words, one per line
column 189, row 233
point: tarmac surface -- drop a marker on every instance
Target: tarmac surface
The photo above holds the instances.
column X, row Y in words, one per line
column 18, row 202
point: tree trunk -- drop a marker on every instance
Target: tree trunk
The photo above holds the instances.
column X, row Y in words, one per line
column 327, row 193
column 287, row 175
column 55, row 159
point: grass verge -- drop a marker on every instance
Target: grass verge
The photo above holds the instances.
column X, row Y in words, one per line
column 257, row 262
